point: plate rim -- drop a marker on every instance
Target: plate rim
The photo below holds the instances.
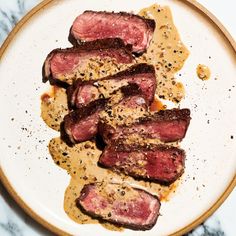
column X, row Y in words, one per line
column 192, row 3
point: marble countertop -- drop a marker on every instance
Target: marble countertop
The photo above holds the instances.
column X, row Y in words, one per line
column 13, row 220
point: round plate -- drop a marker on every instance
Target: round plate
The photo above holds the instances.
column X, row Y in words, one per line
column 38, row 185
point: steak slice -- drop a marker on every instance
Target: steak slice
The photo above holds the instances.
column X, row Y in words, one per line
column 63, row 66
column 81, row 93
column 82, row 124
column 165, row 125
column 154, row 162
column 132, row 29
column 122, row 205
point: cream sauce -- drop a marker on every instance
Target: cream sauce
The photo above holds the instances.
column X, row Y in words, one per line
column 203, row 72
column 94, row 68
column 54, row 107
column 80, row 161
column 119, row 114
column 168, row 54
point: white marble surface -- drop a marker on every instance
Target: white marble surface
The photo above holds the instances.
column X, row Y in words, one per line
column 14, row 222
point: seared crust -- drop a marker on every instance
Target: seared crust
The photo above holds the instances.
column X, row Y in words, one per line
column 97, row 45
column 101, row 44
column 86, row 111
column 130, row 90
column 137, row 69
column 119, row 146
column 107, row 131
column 167, row 115
column 83, row 195
column 76, row 116
column 151, row 24
column 141, row 68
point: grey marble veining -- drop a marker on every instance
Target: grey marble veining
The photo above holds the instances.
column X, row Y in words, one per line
column 210, row 227
column 11, row 11
column 13, row 221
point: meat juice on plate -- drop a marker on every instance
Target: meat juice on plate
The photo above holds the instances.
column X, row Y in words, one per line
column 168, row 54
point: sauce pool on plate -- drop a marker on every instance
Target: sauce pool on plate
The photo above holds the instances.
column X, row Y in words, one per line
column 203, row 72
column 166, row 52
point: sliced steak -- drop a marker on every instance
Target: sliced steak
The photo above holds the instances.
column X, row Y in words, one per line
column 165, row 125
column 132, row 29
column 122, row 205
column 82, row 124
column 63, row 66
column 81, row 93
column 154, row 162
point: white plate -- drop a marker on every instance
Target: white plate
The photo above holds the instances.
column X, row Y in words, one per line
column 38, row 184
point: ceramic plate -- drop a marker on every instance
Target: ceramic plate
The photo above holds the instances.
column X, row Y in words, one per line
column 38, row 184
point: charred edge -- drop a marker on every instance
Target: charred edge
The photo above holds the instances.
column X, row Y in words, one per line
column 141, row 68
column 130, row 90
column 151, row 24
column 77, row 115
column 96, row 45
column 69, row 92
column 58, row 82
column 100, row 144
column 84, row 192
column 64, row 136
column 71, row 38
column 106, row 131
column 71, row 89
column 128, row 226
column 86, row 111
column 167, row 115
column 52, row 80
column 120, row 146
column 44, row 77
column 100, row 44
column 101, row 220
column 49, row 77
